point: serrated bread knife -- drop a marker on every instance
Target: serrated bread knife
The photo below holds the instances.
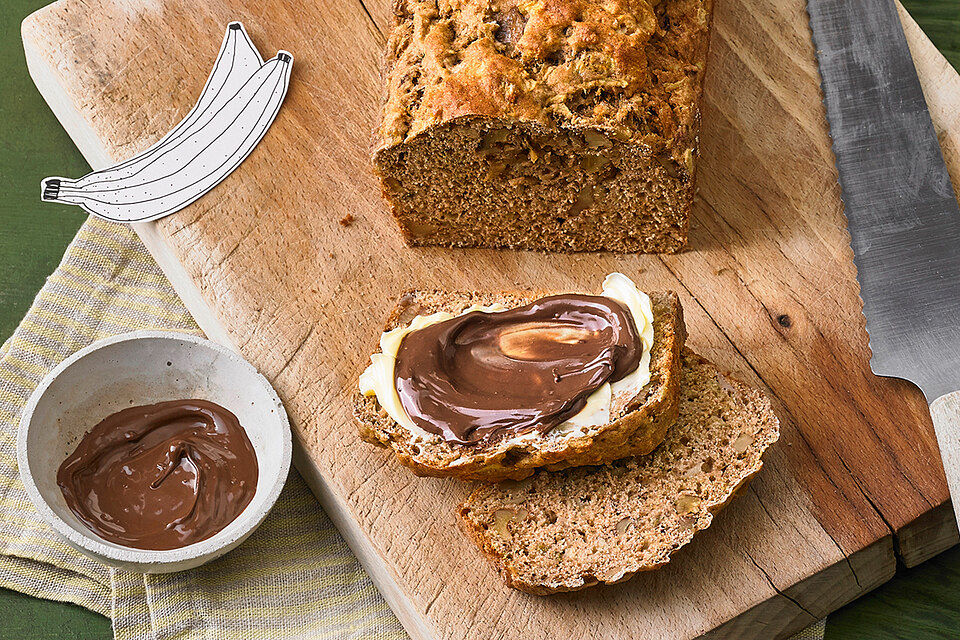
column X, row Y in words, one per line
column 901, row 209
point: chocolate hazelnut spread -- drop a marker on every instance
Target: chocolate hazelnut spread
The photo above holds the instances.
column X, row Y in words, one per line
column 482, row 375
column 161, row 476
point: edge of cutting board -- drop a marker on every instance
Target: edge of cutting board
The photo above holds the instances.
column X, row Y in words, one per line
column 778, row 616
column 92, row 150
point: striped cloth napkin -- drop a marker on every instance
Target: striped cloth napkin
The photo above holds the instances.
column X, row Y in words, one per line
column 293, row 578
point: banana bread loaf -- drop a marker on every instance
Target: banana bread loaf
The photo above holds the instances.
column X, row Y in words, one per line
column 559, row 125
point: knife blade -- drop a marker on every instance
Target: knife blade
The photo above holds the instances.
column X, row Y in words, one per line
column 901, row 209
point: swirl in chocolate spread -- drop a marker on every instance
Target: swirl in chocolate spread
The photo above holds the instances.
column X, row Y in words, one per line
column 482, row 376
column 161, row 476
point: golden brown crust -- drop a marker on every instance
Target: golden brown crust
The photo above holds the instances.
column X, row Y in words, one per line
column 630, row 67
column 570, row 530
column 640, row 425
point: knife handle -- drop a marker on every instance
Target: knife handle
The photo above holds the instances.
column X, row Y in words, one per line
column 945, row 411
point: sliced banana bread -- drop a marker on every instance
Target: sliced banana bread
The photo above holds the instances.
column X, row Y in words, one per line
column 572, row 529
column 637, row 423
column 568, row 125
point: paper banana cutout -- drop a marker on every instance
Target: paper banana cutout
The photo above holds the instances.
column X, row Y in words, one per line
column 236, row 107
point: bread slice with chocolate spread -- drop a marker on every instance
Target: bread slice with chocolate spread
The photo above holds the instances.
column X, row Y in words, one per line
column 572, row 529
column 637, row 425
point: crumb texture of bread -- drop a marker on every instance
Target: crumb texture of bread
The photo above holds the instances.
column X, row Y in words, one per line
column 561, row 125
column 637, row 423
column 572, row 529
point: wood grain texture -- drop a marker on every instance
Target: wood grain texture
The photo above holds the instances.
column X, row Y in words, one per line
column 768, row 288
column 945, row 412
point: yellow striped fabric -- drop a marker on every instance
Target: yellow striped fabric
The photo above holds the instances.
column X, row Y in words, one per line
column 293, row 578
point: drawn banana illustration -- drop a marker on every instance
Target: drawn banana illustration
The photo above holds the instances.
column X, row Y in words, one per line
column 237, row 61
column 238, row 103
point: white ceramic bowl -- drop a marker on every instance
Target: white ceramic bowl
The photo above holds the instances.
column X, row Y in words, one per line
column 141, row 368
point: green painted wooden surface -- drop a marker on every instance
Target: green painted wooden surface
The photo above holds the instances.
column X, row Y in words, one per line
column 919, row 604
column 32, row 239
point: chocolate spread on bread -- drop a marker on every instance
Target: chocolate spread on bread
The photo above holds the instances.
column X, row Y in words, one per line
column 483, row 375
column 161, row 476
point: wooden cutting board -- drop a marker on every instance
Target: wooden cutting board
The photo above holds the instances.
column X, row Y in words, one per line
column 767, row 285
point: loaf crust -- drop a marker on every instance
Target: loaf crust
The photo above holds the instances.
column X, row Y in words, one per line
column 570, row 530
column 640, row 421
column 565, row 125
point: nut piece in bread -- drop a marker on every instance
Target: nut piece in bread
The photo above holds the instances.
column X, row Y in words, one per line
column 638, row 422
column 568, row 125
column 572, row 529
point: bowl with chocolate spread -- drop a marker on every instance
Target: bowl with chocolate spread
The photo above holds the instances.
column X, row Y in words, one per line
column 154, row 451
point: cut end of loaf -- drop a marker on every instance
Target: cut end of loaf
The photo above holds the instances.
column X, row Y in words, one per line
column 573, row 529
column 476, row 181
